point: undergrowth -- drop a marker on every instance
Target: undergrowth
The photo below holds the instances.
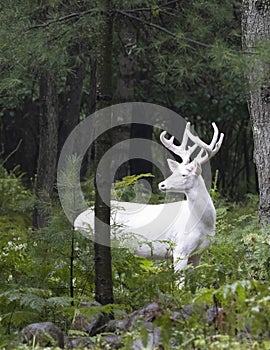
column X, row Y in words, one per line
column 233, row 278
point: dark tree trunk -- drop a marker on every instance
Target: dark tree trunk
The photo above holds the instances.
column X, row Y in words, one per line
column 90, row 108
column 71, row 267
column 19, row 140
column 71, row 104
column 124, row 92
column 246, row 157
column 92, row 98
column 142, row 166
column 256, row 31
column 103, row 268
column 48, row 139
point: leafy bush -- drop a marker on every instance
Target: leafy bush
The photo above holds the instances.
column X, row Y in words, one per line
column 15, row 218
column 233, row 277
column 13, row 195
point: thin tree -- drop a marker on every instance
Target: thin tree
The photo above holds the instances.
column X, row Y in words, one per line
column 256, row 37
column 103, row 269
column 48, row 138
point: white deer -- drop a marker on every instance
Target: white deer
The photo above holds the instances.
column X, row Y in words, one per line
column 177, row 229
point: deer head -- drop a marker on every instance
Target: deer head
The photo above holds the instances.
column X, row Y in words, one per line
column 185, row 174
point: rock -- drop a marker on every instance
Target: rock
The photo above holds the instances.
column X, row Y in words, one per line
column 113, row 341
column 115, row 325
column 106, row 341
column 81, row 343
column 214, row 315
column 210, row 314
column 153, row 340
column 148, row 313
column 185, row 312
column 92, row 325
column 43, row 334
column 88, row 324
column 89, row 304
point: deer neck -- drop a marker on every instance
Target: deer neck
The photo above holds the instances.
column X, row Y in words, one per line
column 200, row 204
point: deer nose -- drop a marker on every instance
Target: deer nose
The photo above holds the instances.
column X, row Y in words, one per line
column 162, row 186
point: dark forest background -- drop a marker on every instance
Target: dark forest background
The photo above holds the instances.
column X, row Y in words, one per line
column 179, row 54
column 62, row 60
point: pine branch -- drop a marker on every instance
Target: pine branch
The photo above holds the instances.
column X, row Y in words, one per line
column 126, row 14
column 170, row 3
column 142, row 9
column 62, row 19
column 160, row 28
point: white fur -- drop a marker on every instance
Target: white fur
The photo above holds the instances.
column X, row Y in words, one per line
column 178, row 228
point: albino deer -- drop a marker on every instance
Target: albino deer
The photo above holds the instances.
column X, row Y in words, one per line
column 177, row 229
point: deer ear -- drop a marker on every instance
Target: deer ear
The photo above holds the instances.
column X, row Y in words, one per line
column 173, row 164
column 197, row 170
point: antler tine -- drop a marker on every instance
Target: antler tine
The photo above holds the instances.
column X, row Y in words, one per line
column 183, row 150
column 210, row 149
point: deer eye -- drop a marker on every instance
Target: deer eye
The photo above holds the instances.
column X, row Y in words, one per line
column 184, row 175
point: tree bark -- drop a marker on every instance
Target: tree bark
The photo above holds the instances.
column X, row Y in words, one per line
column 124, row 90
column 48, row 139
column 256, row 32
column 19, row 139
column 103, row 268
column 71, row 104
column 142, row 166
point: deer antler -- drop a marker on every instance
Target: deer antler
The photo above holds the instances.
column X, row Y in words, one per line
column 211, row 149
column 185, row 151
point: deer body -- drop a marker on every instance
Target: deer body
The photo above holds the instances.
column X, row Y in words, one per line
column 149, row 238
column 177, row 229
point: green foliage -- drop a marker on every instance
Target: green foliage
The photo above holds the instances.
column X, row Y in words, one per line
column 130, row 180
column 52, row 249
column 191, row 61
column 14, row 259
column 28, row 305
column 129, row 187
column 139, row 279
column 13, row 195
column 15, row 205
column 198, row 71
column 233, row 277
column 68, row 185
column 34, row 39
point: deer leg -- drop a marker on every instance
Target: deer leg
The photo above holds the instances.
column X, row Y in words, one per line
column 194, row 259
column 180, row 263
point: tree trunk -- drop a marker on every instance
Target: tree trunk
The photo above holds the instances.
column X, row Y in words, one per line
column 19, row 139
column 48, row 139
column 142, row 166
column 70, row 113
column 124, row 90
column 103, row 269
column 256, row 32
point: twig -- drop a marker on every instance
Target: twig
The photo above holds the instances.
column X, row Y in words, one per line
column 156, row 26
column 170, row 3
column 12, row 152
column 157, row 7
column 141, row 9
column 62, row 19
column 169, row 13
